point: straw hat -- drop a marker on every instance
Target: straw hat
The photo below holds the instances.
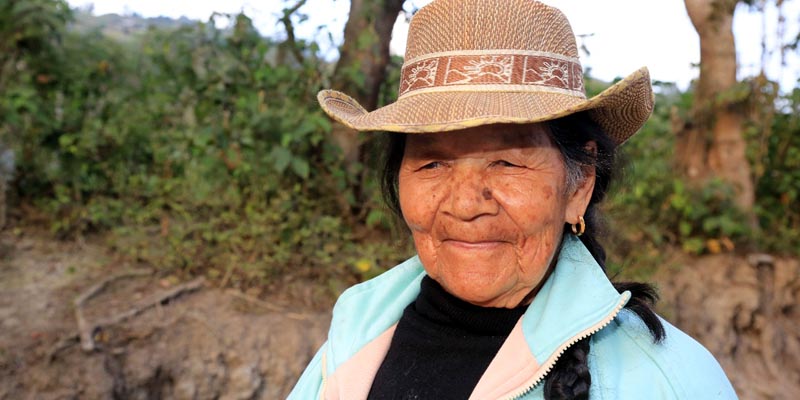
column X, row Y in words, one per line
column 478, row 62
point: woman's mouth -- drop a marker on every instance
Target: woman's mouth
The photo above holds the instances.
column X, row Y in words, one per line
column 473, row 244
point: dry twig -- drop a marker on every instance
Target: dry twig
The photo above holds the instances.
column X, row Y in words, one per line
column 267, row 305
column 87, row 331
column 85, row 334
column 290, row 37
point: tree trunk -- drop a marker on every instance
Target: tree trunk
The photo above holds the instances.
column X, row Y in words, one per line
column 362, row 65
column 712, row 143
column 360, row 72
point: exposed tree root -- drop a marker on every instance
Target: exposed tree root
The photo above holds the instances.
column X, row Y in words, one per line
column 84, row 331
column 87, row 331
column 267, row 305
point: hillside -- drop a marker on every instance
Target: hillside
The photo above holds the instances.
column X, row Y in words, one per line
column 123, row 27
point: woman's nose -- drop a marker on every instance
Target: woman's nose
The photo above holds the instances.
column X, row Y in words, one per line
column 470, row 197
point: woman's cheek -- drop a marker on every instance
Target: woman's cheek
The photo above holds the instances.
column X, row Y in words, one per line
column 418, row 202
column 418, row 215
column 515, row 194
column 415, row 225
column 529, row 194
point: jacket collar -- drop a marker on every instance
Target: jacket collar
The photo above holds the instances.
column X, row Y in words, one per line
column 576, row 301
column 577, row 296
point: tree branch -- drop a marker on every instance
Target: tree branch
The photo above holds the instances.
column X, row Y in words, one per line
column 84, row 332
column 87, row 331
column 291, row 40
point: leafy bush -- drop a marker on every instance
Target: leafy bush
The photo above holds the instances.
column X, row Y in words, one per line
column 652, row 207
column 204, row 151
column 201, row 150
column 778, row 188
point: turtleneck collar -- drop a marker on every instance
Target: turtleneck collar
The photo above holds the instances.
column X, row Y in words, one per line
column 438, row 306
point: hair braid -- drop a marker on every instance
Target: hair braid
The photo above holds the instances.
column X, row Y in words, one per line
column 570, row 377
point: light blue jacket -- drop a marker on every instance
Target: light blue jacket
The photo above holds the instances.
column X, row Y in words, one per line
column 576, row 301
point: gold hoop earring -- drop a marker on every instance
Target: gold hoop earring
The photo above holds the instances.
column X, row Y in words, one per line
column 578, row 230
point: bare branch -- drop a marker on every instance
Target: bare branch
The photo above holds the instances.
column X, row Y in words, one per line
column 291, row 40
column 87, row 331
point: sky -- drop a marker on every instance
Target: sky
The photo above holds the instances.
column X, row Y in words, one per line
column 621, row 35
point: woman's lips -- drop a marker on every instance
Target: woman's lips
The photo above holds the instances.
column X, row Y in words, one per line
column 473, row 245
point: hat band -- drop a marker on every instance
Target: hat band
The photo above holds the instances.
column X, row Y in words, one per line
column 492, row 70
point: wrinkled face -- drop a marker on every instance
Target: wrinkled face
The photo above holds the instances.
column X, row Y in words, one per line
column 486, row 207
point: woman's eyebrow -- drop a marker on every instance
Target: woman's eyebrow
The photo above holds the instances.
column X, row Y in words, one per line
column 430, row 153
column 428, row 147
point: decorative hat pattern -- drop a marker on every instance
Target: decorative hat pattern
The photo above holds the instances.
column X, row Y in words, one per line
column 477, row 62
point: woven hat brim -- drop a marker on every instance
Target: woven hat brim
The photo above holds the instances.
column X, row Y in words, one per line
column 620, row 110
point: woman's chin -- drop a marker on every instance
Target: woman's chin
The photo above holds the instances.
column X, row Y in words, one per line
column 479, row 286
column 482, row 298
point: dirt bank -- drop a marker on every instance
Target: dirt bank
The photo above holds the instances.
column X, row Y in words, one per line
column 745, row 310
column 203, row 344
column 158, row 339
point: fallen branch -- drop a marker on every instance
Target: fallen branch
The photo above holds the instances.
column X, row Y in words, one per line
column 253, row 300
column 85, row 334
column 161, row 299
column 88, row 331
column 267, row 305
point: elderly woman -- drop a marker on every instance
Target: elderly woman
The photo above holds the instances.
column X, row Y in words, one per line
column 497, row 163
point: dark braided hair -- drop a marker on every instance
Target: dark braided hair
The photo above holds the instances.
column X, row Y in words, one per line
column 570, row 377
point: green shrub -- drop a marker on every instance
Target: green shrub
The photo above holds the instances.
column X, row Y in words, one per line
column 203, row 151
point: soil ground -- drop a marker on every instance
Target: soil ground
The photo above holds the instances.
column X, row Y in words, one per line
column 746, row 311
column 204, row 344
column 211, row 343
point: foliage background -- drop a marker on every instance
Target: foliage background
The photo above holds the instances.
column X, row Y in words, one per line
column 202, row 151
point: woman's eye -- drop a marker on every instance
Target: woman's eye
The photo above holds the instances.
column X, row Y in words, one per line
column 431, row 165
column 503, row 163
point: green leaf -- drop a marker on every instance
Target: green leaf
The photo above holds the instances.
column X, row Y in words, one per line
column 685, row 228
column 281, row 157
column 300, row 167
column 374, row 218
column 693, row 245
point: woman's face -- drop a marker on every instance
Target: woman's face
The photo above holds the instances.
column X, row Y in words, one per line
column 486, row 207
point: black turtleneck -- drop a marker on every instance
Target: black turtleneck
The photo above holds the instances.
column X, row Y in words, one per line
column 441, row 347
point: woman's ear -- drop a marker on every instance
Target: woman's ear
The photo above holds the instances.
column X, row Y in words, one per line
column 578, row 200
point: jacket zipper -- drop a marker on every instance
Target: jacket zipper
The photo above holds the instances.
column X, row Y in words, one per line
column 548, row 365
